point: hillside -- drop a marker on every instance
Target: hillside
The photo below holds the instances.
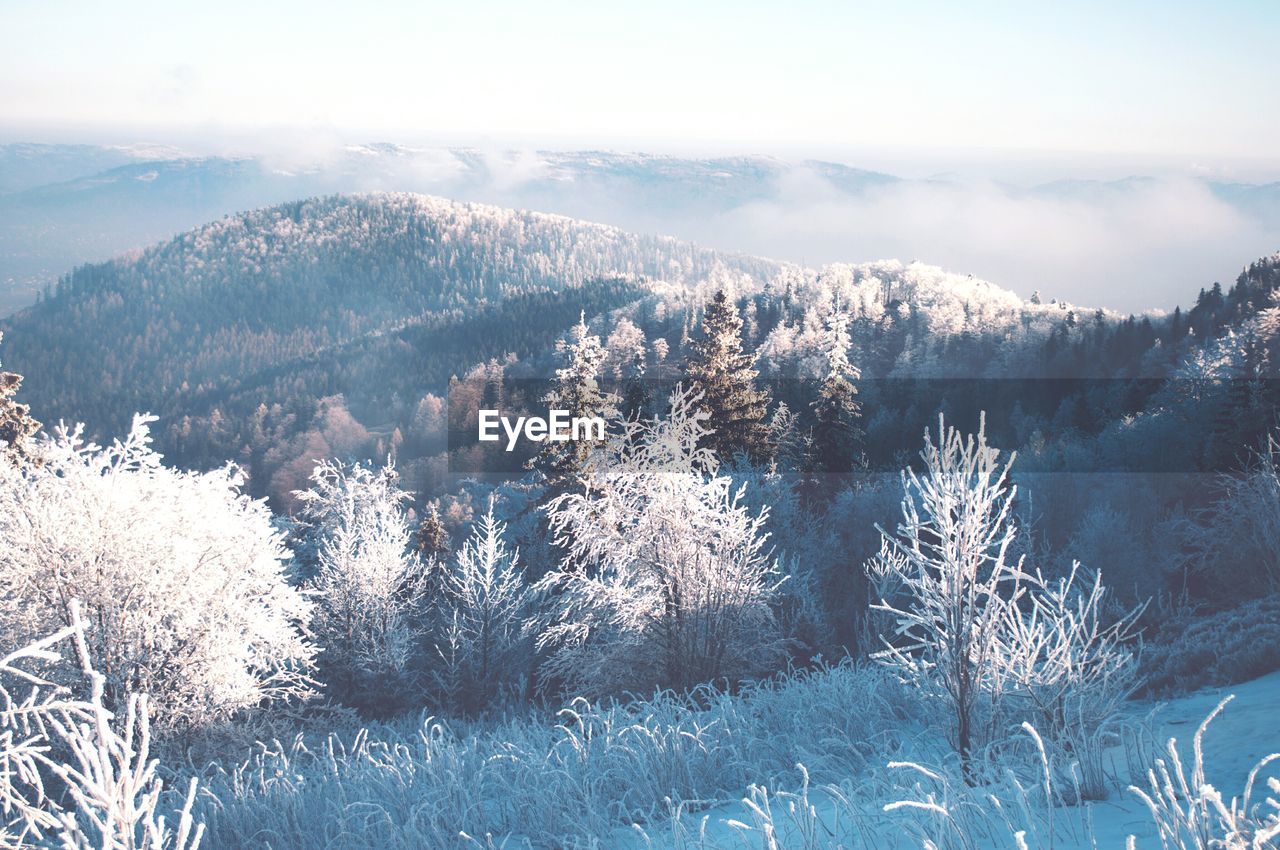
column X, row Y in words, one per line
column 157, row 329
column 332, row 327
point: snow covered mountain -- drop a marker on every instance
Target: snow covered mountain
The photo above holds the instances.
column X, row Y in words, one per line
column 65, row 205
column 379, row 299
column 270, row 290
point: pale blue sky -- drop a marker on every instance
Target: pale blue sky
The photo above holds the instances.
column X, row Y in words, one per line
column 1193, row 84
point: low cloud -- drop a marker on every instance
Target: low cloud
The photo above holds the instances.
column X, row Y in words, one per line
column 1130, row 246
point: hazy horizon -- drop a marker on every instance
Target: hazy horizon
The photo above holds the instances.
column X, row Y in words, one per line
column 979, row 108
column 1149, row 81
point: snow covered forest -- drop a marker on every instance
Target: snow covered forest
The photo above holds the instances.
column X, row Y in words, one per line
column 872, row 555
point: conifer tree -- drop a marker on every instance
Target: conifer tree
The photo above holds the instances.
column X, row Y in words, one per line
column 577, row 390
column 432, row 540
column 635, row 397
column 725, row 377
column 16, row 424
column 484, row 600
column 836, row 409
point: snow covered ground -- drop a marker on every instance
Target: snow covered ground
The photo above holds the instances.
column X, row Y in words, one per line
column 852, row 814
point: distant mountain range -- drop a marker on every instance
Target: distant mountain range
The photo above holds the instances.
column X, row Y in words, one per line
column 63, row 205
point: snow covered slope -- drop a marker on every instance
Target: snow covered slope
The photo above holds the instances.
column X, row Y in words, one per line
column 852, row 814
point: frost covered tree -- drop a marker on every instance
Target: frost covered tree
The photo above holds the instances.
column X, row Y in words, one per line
column 667, row 581
column 483, row 603
column 999, row 644
column 17, row 427
column 577, row 390
column 625, row 348
column 836, row 409
column 725, row 377
column 793, row 443
column 950, row 560
column 182, row 577
column 369, row 586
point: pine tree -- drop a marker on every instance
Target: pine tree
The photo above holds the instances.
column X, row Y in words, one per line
column 836, row 409
column 793, row 443
column 577, row 390
column 725, row 376
column 635, row 397
column 432, row 540
column 16, row 424
column 479, row 639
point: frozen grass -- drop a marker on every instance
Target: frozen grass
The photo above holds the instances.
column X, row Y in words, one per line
column 1220, row 794
column 712, row 772
column 584, row 778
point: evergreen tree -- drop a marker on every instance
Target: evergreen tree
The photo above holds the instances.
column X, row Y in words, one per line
column 479, row 641
column 836, row 409
column 577, row 390
column 432, row 540
column 16, row 424
column 635, row 397
column 725, row 376
column 793, row 443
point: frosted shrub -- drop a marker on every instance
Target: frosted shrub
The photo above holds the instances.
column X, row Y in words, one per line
column 480, row 619
column 667, row 582
column 949, row 561
column 998, row 643
column 1184, row 653
column 1065, row 660
column 182, row 577
column 72, row 774
column 1109, row 541
column 1235, row 541
column 369, row 586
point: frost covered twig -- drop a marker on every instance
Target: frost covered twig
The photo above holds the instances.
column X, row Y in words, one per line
column 109, row 795
column 1191, row 814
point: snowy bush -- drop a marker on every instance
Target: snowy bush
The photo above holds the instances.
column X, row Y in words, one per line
column 481, row 611
column 1185, row 653
column 667, row 582
column 182, row 577
column 996, row 642
column 1111, row 542
column 1072, row 666
column 949, row 561
column 1235, row 542
column 368, row 585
